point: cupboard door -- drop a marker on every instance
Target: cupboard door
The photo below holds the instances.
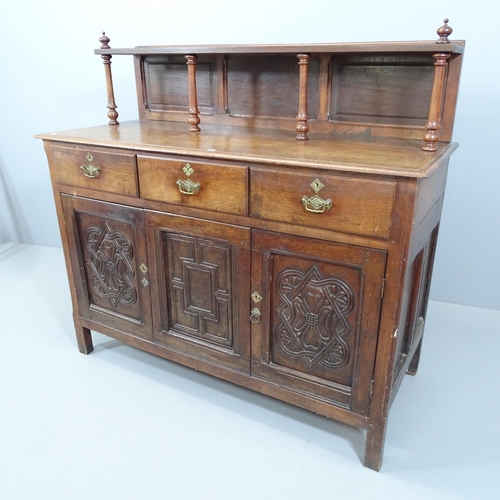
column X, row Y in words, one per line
column 200, row 282
column 319, row 316
column 109, row 262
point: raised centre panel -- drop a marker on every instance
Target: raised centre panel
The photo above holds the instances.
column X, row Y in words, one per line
column 383, row 89
column 268, row 85
column 201, row 277
column 166, row 86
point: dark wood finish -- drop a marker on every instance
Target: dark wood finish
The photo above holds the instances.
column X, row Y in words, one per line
column 117, row 169
column 302, row 127
column 109, row 248
column 106, row 59
column 299, row 269
column 223, row 188
column 83, row 338
column 371, row 89
column 314, row 48
column 194, row 119
column 378, row 89
column 432, row 135
column 320, row 317
column 359, row 206
column 375, row 93
column 244, row 145
column 444, row 32
column 201, row 284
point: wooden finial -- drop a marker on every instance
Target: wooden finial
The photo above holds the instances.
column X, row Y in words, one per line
column 106, row 59
column 444, row 32
column 104, row 41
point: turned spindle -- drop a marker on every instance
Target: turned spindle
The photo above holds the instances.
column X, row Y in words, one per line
column 106, row 59
column 194, row 119
column 302, row 126
column 431, row 137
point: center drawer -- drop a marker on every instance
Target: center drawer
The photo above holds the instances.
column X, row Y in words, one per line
column 223, row 188
column 349, row 204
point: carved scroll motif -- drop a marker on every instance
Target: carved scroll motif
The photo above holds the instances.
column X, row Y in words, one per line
column 109, row 262
column 312, row 313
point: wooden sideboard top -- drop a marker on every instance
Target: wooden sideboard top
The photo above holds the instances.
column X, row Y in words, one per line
column 350, row 153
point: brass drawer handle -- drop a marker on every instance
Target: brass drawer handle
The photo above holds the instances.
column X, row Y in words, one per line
column 315, row 203
column 188, row 186
column 89, row 170
column 255, row 315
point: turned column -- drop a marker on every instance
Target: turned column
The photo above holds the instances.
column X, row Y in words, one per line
column 106, row 59
column 194, row 119
column 302, row 126
column 440, row 67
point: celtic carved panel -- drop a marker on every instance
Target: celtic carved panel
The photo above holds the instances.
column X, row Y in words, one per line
column 109, row 257
column 312, row 314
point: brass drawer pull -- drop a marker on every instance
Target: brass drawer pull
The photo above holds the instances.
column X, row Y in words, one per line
column 188, row 186
column 255, row 315
column 315, row 203
column 92, row 171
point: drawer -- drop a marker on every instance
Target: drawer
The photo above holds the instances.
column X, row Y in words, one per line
column 107, row 171
column 358, row 206
column 223, row 188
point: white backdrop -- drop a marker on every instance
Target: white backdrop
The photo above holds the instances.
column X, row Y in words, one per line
column 51, row 80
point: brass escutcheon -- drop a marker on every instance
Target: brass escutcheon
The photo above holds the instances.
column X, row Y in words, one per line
column 188, row 186
column 256, row 297
column 315, row 203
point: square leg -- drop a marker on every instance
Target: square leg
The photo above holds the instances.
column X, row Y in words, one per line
column 84, row 338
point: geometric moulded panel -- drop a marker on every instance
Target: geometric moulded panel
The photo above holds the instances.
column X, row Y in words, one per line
column 199, row 287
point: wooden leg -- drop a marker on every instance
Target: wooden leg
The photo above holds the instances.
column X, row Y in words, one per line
column 84, row 339
column 413, row 368
column 374, row 448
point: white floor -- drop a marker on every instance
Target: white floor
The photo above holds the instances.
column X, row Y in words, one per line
column 123, row 424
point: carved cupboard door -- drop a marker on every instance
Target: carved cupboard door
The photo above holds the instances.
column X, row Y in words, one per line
column 109, row 262
column 316, row 308
column 200, row 278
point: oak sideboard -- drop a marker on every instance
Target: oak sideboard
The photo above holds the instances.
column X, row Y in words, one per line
column 270, row 219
